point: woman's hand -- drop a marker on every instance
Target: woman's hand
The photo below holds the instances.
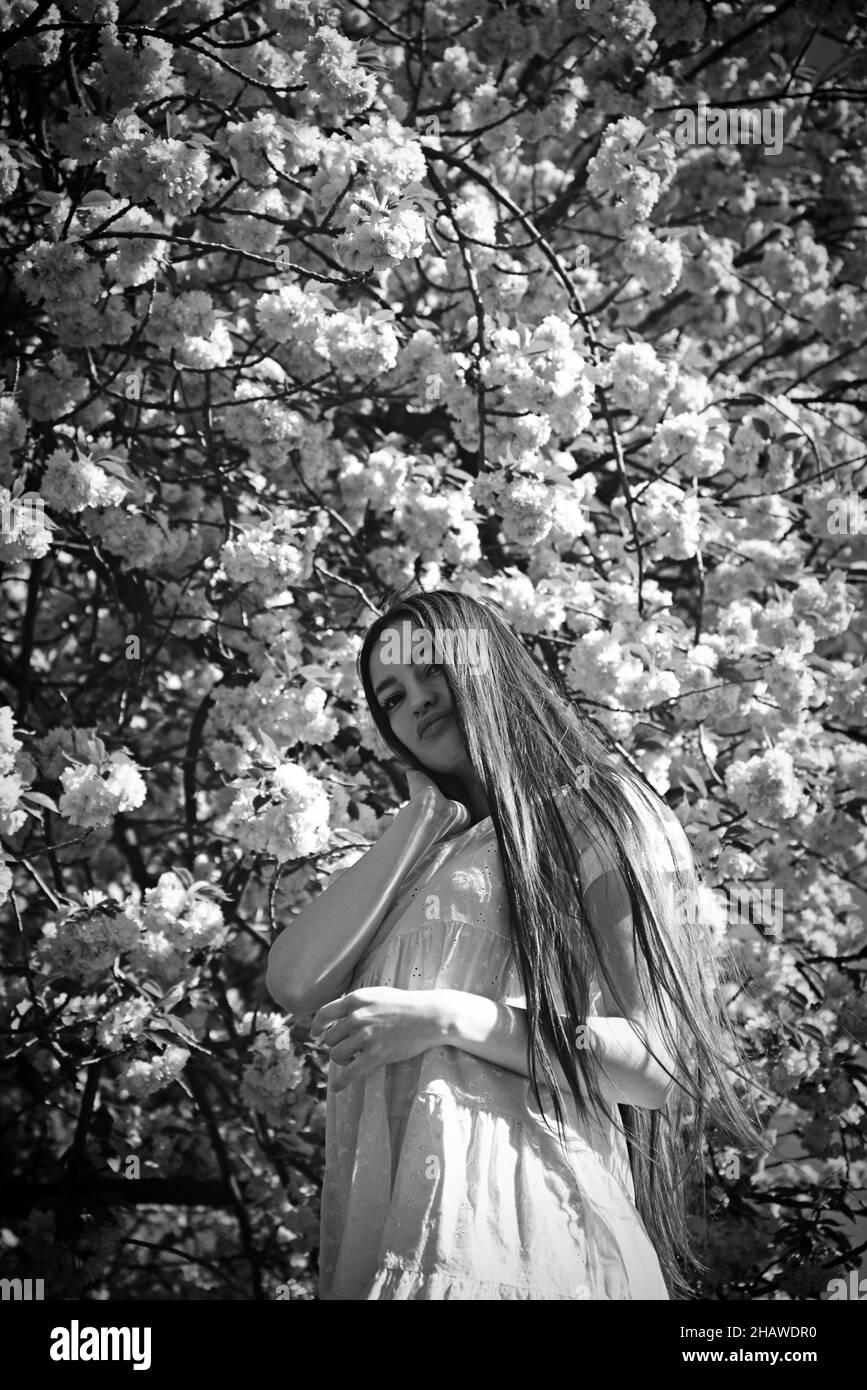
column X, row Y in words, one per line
column 368, row 1028
column 455, row 813
column 418, row 781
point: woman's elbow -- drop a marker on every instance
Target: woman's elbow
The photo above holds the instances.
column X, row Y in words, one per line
column 284, row 984
column 642, row 1092
column 659, row 1085
column 277, row 988
column 657, row 1081
column 295, row 995
column 656, row 1097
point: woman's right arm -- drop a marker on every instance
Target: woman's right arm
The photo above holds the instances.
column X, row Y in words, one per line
column 314, row 956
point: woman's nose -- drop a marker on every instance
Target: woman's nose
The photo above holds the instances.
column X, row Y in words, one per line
column 422, row 703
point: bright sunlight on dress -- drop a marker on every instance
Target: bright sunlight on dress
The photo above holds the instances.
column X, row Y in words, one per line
column 442, row 1181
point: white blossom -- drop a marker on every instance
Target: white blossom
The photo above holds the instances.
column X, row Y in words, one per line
column 93, row 794
column 144, row 1078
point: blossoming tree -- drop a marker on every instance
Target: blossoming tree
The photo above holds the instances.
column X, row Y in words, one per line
column 307, row 300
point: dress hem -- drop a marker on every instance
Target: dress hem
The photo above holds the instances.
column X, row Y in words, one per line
column 402, row 1281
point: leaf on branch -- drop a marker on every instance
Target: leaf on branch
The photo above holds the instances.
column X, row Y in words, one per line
column 270, row 747
column 694, row 776
column 41, row 800
column 174, row 996
column 180, row 1029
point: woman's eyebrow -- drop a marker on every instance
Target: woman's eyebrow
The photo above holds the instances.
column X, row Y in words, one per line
column 392, row 680
column 389, row 680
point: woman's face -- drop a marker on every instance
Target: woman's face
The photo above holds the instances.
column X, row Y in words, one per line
column 417, row 702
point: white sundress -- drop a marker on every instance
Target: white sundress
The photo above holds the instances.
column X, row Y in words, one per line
column 441, row 1178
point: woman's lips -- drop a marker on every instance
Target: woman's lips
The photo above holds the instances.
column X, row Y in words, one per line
column 435, row 726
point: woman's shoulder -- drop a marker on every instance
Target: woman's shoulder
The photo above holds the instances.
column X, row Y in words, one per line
column 667, row 837
column 657, row 824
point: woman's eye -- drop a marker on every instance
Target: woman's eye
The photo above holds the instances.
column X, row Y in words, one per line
column 388, row 704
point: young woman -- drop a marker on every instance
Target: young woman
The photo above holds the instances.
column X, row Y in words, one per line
column 518, row 947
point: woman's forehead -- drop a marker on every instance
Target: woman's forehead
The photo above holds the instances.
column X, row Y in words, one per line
column 399, row 643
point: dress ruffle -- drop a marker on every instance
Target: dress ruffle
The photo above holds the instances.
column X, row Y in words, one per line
column 438, row 952
column 397, row 1282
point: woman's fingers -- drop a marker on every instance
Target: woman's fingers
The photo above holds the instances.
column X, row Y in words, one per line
column 417, row 782
column 351, row 1072
column 338, row 1031
column 344, row 1051
column 328, row 1013
column 332, row 1033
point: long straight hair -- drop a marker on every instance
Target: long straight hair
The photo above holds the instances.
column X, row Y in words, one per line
column 526, row 741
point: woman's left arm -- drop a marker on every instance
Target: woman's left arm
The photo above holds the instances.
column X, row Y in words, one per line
column 376, row 1026
column 623, row 1042
column 628, row 1074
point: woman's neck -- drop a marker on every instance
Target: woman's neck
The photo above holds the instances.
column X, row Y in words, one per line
column 474, row 798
